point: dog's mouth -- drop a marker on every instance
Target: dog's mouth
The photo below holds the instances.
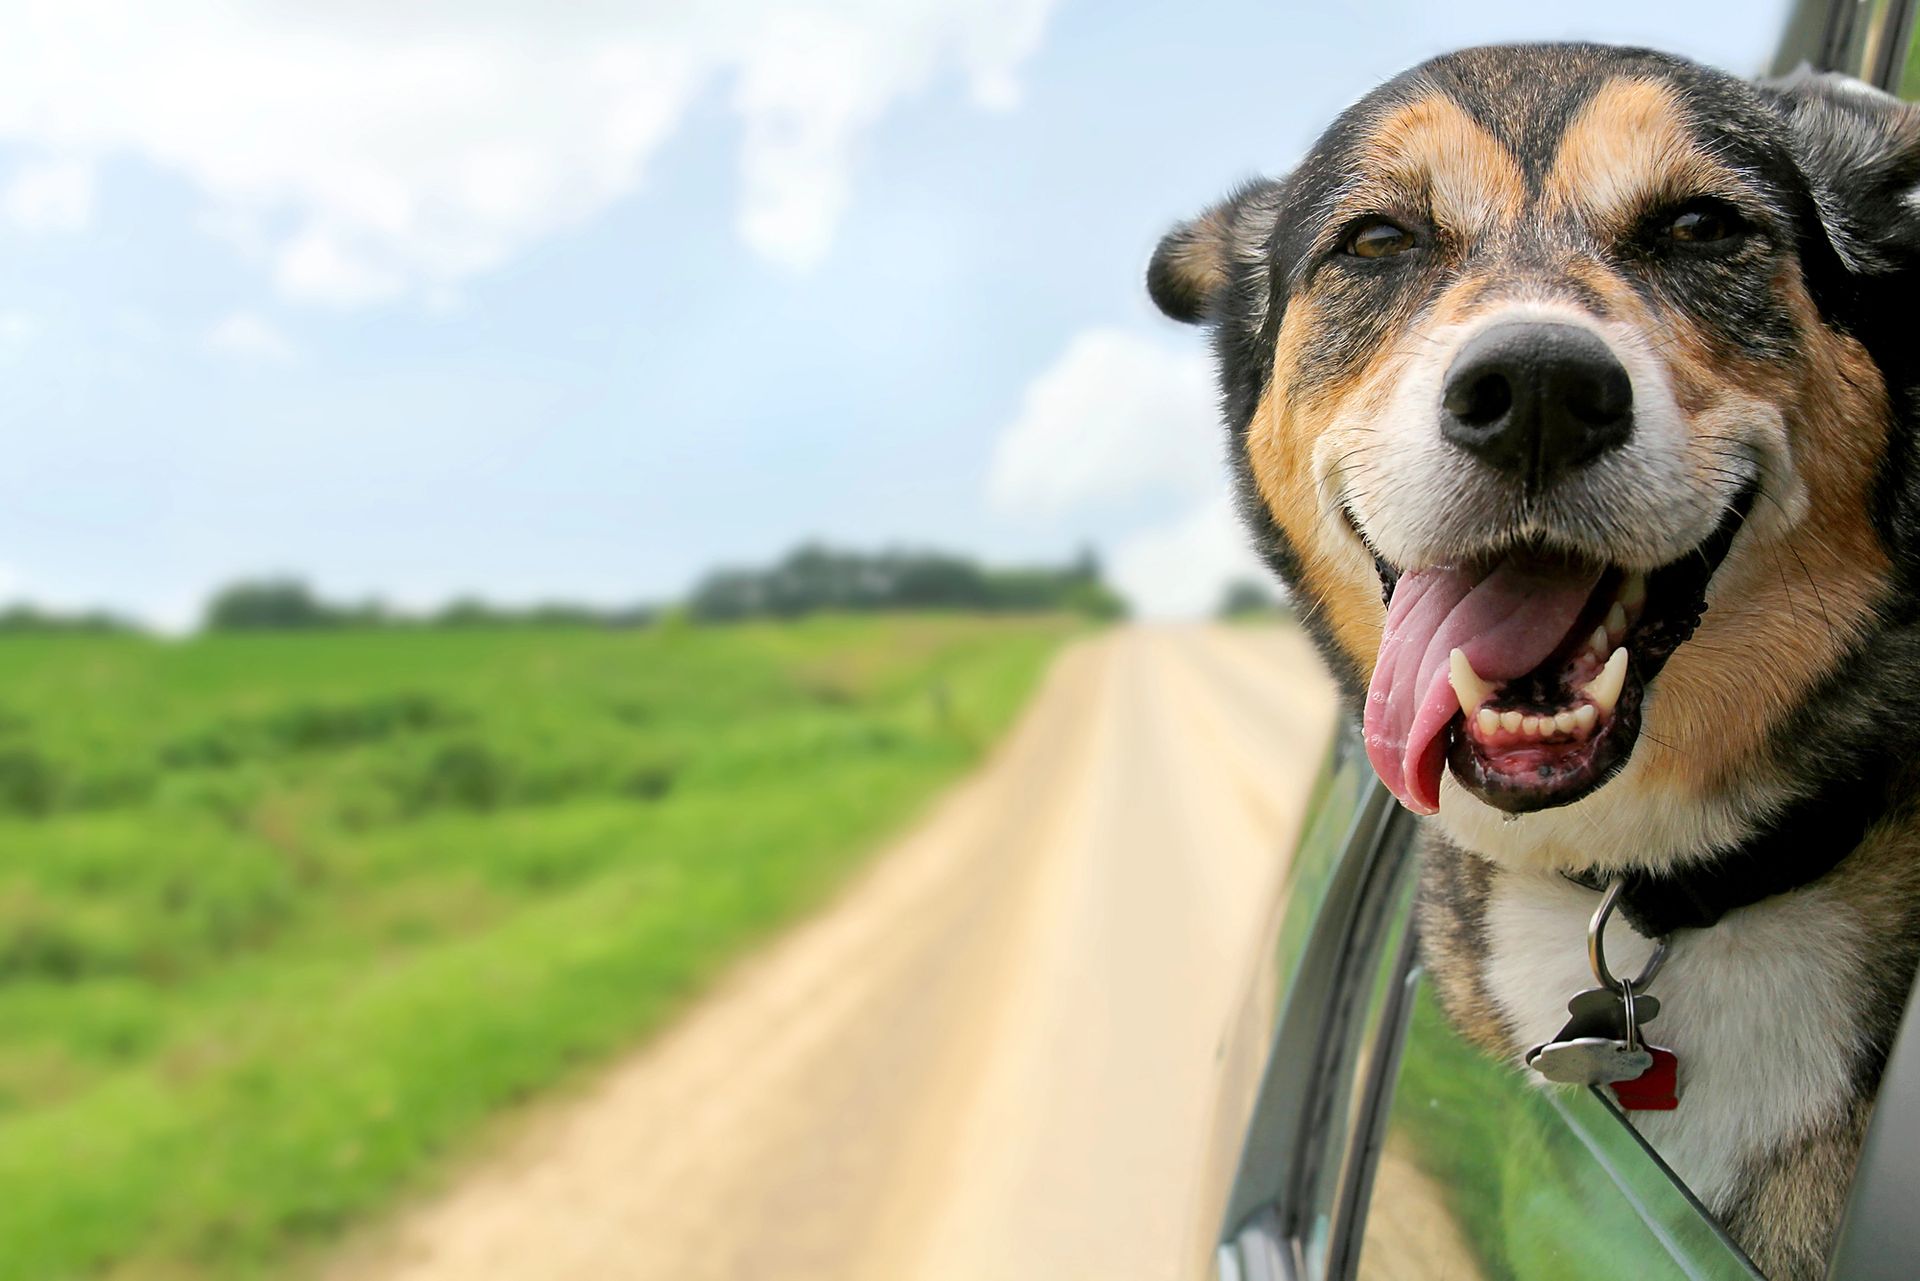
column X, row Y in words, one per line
column 1524, row 671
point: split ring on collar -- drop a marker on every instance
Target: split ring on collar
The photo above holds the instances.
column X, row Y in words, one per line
column 1597, row 949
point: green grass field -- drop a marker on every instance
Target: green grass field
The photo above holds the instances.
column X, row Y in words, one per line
column 284, row 918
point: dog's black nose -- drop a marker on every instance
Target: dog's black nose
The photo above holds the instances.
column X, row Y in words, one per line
column 1536, row 400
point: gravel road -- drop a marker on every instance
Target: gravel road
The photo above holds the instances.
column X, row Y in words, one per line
column 1001, row 1054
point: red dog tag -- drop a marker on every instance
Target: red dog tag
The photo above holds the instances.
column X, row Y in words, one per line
column 1655, row 1090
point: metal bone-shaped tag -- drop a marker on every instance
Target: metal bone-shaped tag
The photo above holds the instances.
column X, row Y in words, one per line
column 1596, row 1047
column 1590, row 1060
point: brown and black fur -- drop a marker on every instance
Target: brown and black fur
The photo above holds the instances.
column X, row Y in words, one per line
column 1536, row 171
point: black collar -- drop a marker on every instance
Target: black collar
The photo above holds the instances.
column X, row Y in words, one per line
column 1805, row 842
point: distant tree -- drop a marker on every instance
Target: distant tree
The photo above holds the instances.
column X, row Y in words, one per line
column 466, row 611
column 268, row 604
column 470, row 612
column 26, row 619
column 814, row 577
column 1247, row 598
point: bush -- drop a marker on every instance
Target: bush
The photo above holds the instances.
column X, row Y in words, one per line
column 281, row 604
column 814, row 578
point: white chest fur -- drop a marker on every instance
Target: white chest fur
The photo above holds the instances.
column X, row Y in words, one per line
column 1761, row 1010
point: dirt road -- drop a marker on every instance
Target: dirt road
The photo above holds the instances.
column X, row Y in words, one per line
column 997, row 1056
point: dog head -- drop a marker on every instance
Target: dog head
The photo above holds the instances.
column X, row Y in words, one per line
column 1561, row 381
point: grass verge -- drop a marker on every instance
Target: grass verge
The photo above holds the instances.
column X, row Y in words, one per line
column 283, row 918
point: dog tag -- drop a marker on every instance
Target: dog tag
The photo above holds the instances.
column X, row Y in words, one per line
column 1596, row 1047
column 1655, row 1090
column 1590, row 1060
column 1599, row 1011
column 1601, row 1007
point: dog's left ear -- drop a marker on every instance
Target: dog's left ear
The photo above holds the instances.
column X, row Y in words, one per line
column 1196, row 263
column 1860, row 151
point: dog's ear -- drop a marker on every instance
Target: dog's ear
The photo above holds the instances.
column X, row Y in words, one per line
column 1198, row 261
column 1860, row 151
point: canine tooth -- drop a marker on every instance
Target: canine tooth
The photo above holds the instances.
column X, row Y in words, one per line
column 1598, row 642
column 1585, row 715
column 1467, row 685
column 1510, row 721
column 1616, row 620
column 1604, row 689
column 1563, row 721
column 1633, row 593
column 1489, row 720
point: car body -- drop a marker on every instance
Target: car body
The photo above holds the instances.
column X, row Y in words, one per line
column 1380, row 1145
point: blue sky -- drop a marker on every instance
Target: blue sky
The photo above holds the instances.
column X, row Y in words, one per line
column 544, row 301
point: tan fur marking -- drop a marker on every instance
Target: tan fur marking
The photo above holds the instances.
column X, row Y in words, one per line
column 1432, row 154
column 1786, row 608
column 1455, row 888
column 1629, row 145
column 1280, row 444
column 1199, row 257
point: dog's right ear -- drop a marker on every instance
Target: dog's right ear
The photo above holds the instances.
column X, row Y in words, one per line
column 1860, row 150
column 1197, row 261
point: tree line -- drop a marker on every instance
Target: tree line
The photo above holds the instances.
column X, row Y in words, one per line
column 810, row 579
column 814, row 578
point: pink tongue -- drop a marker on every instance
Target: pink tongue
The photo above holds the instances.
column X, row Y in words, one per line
column 1508, row 623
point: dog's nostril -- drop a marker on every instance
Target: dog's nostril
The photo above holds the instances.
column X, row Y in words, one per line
column 1480, row 401
column 1600, row 396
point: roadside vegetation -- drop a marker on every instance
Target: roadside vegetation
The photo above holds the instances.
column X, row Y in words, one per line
column 287, row 914
column 1250, row 600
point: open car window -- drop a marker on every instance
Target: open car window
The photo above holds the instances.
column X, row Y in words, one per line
column 1481, row 1174
column 1384, row 1146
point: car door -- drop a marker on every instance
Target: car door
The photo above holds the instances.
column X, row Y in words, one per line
column 1383, row 1146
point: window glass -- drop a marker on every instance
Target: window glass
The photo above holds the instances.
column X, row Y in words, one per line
column 1338, row 796
column 1483, row 1175
column 1365, row 1036
column 1906, row 81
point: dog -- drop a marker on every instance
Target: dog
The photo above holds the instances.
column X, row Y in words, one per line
column 1571, row 390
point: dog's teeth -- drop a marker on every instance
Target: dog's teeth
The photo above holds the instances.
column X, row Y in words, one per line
column 1488, row 720
column 1605, row 688
column 1510, row 721
column 1598, row 642
column 1585, row 715
column 1563, row 721
column 1633, row 593
column 1467, row 685
column 1616, row 620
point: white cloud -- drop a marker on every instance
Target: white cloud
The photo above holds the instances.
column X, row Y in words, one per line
column 250, row 337
column 366, row 151
column 1113, row 416
column 49, row 196
column 1119, row 418
column 1181, row 568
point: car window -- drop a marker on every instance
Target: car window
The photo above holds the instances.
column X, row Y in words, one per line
column 1906, row 78
column 1337, row 964
column 1482, row 1175
column 1333, row 1187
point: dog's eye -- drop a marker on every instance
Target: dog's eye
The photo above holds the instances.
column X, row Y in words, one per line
column 1378, row 238
column 1703, row 222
